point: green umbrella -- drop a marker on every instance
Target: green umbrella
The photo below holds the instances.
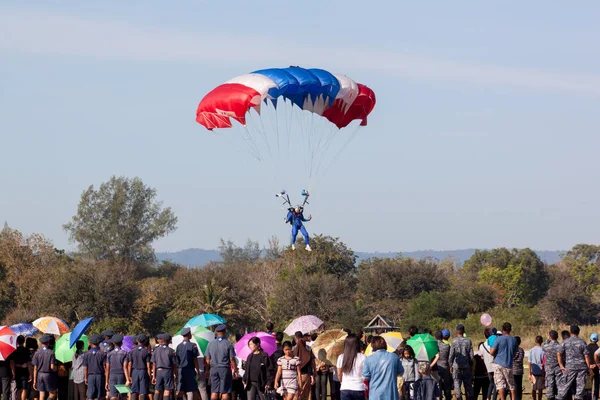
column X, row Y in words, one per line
column 63, row 352
column 424, row 345
column 200, row 335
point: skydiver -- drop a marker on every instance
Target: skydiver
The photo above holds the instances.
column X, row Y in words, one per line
column 295, row 217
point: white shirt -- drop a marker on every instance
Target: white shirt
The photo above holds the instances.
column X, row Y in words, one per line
column 353, row 380
column 488, row 358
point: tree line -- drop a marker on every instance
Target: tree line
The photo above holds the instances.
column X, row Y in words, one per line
column 114, row 276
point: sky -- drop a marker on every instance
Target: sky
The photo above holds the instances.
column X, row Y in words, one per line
column 485, row 132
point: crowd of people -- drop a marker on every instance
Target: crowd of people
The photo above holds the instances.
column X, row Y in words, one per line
column 293, row 372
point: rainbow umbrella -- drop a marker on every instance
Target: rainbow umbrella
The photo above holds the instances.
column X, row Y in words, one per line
column 8, row 342
column 63, row 351
column 304, row 324
column 52, row 325
column 200, row 336
column 267, row 342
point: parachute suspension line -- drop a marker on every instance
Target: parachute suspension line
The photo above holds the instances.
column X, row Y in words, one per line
column 323, row 144
column 250, row 143
column 352, row 136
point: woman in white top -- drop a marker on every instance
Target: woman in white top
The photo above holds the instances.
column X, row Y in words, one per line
column 350, row 368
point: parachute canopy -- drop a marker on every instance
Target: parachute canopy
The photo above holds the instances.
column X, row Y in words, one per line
column 335, row 97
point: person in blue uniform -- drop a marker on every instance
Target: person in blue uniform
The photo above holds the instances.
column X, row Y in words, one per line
column 45, row 375
column 220, row 355
column 106, row 344
column 295, row 217
column 164, row 368
column 189, row 369
column 115, row 372
column 94, row 371
column 137, row 369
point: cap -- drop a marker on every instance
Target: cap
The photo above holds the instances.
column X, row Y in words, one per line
column 221, row 328
column 95, row 339
column 460, row 327
column 141, row 338
column 117, row 338
column 45, row 339
column 186, row 331
column 494, row 331
column 445, row 333
column 108, row 332
column 594, row 337
column 166, row 337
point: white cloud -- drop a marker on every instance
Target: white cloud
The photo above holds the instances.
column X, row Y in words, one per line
column 46, row 33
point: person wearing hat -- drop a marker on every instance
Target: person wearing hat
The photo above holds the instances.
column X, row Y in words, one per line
column 115, row 372
column 45, row 375
column 220, row 355
column 164, row 368
column 461, row 359
column 593, row 348
column 574, row 361
column 137, row 368
column 107, row 345
column 443, row 368
column 94, row 369
column 189, row 368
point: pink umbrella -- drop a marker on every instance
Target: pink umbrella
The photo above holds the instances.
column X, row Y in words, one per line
column 267, row 342
column 303, row 324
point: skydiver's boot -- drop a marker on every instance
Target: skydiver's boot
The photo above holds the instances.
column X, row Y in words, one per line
column 293, row 247
column 308, row 248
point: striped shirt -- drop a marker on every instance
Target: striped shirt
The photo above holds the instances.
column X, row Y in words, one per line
column 77, row 369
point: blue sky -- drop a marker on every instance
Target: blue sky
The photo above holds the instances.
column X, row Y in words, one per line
column 485, row 132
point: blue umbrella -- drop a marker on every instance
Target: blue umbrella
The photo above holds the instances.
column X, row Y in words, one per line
column 205, row 320
column 79, row 330
column 24, row 328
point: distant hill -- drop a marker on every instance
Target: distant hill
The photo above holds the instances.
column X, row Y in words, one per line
column 195, row 258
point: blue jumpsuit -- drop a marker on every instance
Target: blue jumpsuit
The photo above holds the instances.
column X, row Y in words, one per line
column 296, row 220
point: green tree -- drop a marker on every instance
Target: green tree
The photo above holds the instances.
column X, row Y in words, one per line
column 583, row 264
column 120, row 221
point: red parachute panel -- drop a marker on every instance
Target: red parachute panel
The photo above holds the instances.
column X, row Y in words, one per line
column 360, row 109
column 230, row 100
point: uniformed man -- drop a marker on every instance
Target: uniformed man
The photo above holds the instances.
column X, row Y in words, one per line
column 115, row 372
column 164, row 368
column 189, row 368
column 137, row 368
column 574, row 361
column 446, row 381
column 461, row 359
column 94, row 369
column 106, row 344
column 220, row 355
column 554, row 376
column 45, row 374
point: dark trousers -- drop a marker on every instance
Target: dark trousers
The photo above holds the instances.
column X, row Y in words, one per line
column 596, row 383
column 352, row 395
column 5, row 382
column 518, row 387
column 482, row 385
column 492, row 393
column 321, row 386
column 334, row 388
column 79, row 391
column 254, row 391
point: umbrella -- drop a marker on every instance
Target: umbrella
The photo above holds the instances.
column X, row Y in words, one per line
column 267, row 342
column 79, row 330
column 303, row 324
column 393, row 340
column 424, row 345
column 24, row 328
column 329, row 345
column 205, row 320
column 8, row 342
column 200, row 335
column 63, row 351
column 52, row 325
column 127, row 343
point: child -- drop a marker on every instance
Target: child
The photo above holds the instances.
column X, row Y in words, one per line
column 288, row 370
column 426, row 387
column 411, row 372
